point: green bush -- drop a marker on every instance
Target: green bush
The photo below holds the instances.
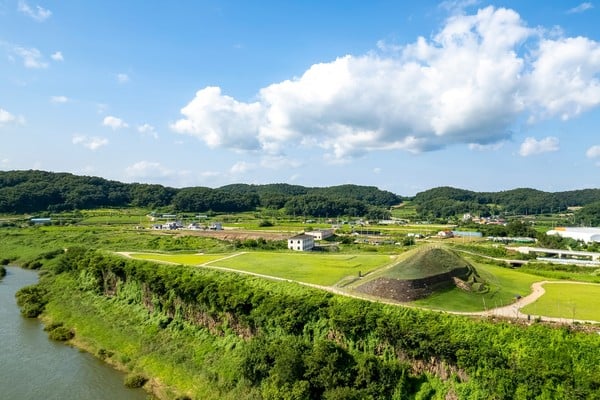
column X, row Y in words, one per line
column 61, row 334
column 134, row 381
column 32, row 300
column 2, row 271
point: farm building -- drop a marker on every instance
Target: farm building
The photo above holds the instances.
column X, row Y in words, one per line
column 320, row 234
column 301, row 242
column 586, row 235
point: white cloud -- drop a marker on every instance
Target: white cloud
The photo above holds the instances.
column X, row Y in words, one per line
column 32, row 57
column 471, row 83
column 114, row 122
column 583, row 7
column 377, row 170
column 90, row 142
column 7, row 118
column 279, row 162
column 486, row 147
column 4, row 162
column 593, row 152
column 241, row 167
column 37, row 13
column 122, row 78
column 57, row 56
column 148, row 130
column 59, row 99
column 531, row 146
column 151, row 171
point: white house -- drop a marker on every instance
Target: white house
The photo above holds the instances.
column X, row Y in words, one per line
column 320, row 234
column 301, row 242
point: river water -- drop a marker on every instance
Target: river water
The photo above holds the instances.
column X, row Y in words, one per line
column 33, row 367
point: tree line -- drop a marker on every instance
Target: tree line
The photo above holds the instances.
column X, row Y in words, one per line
column 444, row 202
column 39, row 191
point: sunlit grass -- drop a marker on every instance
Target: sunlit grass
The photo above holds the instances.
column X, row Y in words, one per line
column 187, row 259
column 504, row 285
column 567, row 300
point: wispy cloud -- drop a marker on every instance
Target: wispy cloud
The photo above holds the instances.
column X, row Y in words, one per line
column 147, row 130
column 32, row 57
column 593, row 153
column 122, row 78
column 57, row 56
column 583, row 7
column 37, row 12
column 59, row 99
column 114, row 122
column 531, row 146
column 90, row 142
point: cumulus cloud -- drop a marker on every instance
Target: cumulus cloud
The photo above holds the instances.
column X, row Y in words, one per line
column 89, row 142
column 593, row 152
column 122, row 78
column 114, row 122
column 37, row 13
column 531, row 146
column 147, row 130
column 471, row 83
column 583, row 7
column 59, row 99
column 57, row 56
column 7, row 118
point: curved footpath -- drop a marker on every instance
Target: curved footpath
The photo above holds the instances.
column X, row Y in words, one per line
column 510, row 311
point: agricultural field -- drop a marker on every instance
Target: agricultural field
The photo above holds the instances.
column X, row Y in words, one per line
column 567, row 300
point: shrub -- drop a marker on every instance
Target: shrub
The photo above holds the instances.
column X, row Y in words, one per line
column 2, row 271
column 61, row 334
column 134, row 381
column 265, row 223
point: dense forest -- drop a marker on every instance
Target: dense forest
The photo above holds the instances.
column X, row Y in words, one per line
column 444, row 202
column 40, row 191
column 270, row 340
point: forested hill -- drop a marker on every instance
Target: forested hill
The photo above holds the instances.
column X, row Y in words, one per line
column 37, row 191
column 448, row 201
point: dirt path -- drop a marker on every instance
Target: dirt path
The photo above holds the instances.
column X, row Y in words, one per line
column 510, row 311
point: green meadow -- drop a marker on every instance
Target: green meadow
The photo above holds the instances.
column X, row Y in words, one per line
column 314, row 268
column 187, row 259
column 567, row 300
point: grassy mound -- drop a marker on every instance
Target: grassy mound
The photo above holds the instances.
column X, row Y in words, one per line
column 422, row 272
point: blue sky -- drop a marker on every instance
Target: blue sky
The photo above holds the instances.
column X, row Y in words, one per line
column 405, row 96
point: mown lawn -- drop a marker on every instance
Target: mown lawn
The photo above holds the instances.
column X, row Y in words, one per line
column 567, row 300
column 320, row 269
column 504, row 284
column 187, row 259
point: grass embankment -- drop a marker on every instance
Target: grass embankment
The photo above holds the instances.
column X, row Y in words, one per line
column 503, row 283
column 567, row 300
column 134, row 342
column 185, row 259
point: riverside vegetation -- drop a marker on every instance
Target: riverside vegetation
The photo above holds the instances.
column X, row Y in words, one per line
column 198, row 333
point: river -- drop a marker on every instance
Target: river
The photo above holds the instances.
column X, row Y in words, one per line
column 34, row 367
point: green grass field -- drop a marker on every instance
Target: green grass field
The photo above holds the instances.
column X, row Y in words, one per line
column 567, row 300
column 320, row 269
column 504, row 284
column 187, row 259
